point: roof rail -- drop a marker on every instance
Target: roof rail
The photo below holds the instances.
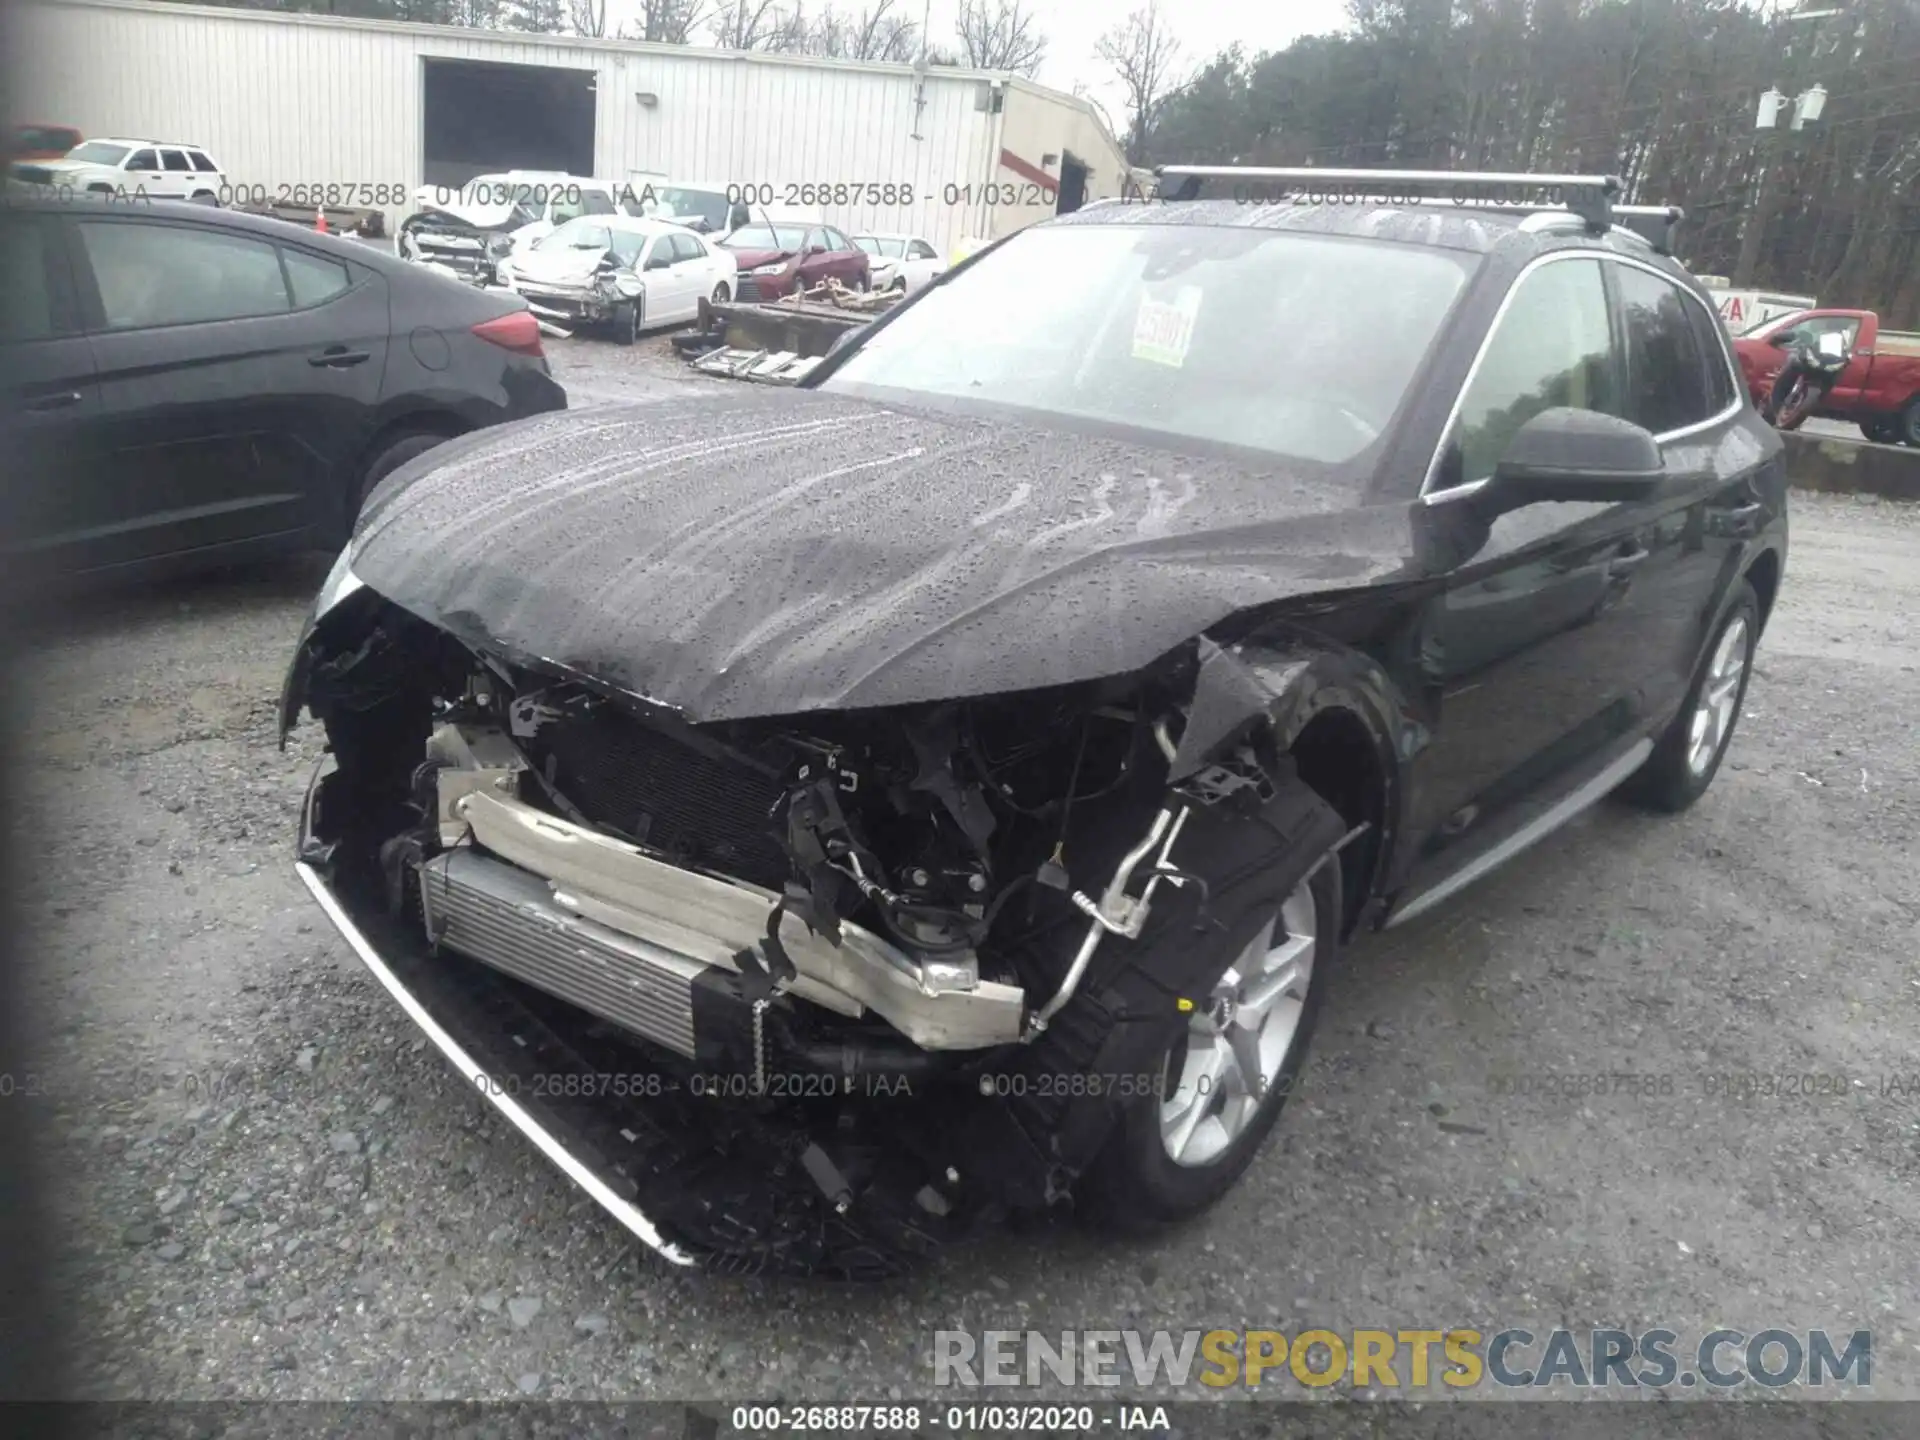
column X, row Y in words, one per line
column 1590, row 197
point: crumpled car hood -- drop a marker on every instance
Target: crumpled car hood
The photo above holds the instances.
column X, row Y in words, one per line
column 768, row 552
column 571, row 267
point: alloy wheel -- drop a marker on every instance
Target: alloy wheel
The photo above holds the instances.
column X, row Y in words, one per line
column 1719, row 698
column 1236, row 1046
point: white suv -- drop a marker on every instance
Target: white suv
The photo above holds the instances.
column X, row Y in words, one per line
column 154, row 169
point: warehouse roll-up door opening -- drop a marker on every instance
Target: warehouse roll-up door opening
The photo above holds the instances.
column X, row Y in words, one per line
column 479, row 118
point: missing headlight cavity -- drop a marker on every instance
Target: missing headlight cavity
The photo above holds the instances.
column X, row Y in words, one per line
column 871, row 937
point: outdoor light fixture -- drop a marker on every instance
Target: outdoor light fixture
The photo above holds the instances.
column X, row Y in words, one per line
column 1808, row 107
column 1769, row 113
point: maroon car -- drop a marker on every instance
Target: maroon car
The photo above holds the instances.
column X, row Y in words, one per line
column 776, row 258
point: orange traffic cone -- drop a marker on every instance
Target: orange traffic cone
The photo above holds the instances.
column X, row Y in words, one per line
column 320, row 220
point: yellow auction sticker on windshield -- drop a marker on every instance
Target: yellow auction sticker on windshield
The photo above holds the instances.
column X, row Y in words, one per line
column 1163, row 330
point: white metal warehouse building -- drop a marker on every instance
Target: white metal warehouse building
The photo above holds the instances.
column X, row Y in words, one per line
column 282, row 100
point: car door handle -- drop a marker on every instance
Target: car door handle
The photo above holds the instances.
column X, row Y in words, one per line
column 57, row 401
column 338, row 357
column 1743, row 520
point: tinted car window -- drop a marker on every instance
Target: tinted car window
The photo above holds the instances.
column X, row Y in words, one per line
column 1176, row 330
column 150, row 274
column 27, row 307
column 594, row 202
column 920, row 250
column 685, row 247
column 314, row 278
column 1666, row 373
column 1552, row 347
column 1711, row 338
column 174, row 160
column 143, row 160
column 203, row 162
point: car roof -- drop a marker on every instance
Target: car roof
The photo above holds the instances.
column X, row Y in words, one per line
column 636, row 224
column 268, row 227
column 136, row 144
column 886, row 235
column 1439, row 224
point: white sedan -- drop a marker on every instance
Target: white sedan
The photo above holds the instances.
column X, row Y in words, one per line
column 631, row 273
column 901, row 262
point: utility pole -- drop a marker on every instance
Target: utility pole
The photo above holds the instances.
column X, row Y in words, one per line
column 1807, row 107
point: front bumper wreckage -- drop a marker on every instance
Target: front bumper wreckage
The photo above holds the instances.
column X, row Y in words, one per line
column 435, row 1013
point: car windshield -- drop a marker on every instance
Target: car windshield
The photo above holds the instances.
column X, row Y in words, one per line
column 584, row 233
column 674, row 203
column 766, row 237
column 96, row 152
column 1298, row 345
column 867, row 243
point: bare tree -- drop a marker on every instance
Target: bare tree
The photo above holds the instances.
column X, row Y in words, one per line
column 588, row 17
column 747, row 24
column 1143, row 55
column 664, row 22
column 999, row 35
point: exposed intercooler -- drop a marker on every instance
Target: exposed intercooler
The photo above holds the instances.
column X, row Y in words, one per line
column 505, row 917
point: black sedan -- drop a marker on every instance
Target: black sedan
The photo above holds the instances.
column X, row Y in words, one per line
column 185, row 386
column 823, row 819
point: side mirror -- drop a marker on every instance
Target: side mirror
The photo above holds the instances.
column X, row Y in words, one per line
column 1568, row 454
column 658, row 262
column 816, row 249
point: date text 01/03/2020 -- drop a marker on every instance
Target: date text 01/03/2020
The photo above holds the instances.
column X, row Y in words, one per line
column 961, row 1419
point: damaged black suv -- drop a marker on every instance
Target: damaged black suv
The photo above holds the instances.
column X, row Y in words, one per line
column 825, row 819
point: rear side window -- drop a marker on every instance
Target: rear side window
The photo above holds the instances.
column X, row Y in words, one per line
column 1666, row 372
column 203, row 162
column 30, row 307
column 151, row 274
column 594, row 202
column 1552, row 347
column 314, row 278
column 174, row 160
column 1709, row 335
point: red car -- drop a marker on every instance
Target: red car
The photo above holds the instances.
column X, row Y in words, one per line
column 41, row 142
column 775, row 259
column 1880, row 388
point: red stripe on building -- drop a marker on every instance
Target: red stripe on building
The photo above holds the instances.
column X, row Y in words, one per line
column 1028, row 172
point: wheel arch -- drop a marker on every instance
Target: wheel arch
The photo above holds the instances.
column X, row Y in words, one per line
column 447, row 424
column 1334, row 713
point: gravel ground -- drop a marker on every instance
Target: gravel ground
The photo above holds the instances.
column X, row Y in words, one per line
column 271, row 1188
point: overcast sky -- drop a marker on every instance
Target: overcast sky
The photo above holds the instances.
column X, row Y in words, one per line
column 1203, row 27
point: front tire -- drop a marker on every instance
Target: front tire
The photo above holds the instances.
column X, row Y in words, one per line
column 719, row 296
column 1909, row 422
column 1688, row 755
column 1881, row 432
column 1230, row 1071
column 629, row 322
